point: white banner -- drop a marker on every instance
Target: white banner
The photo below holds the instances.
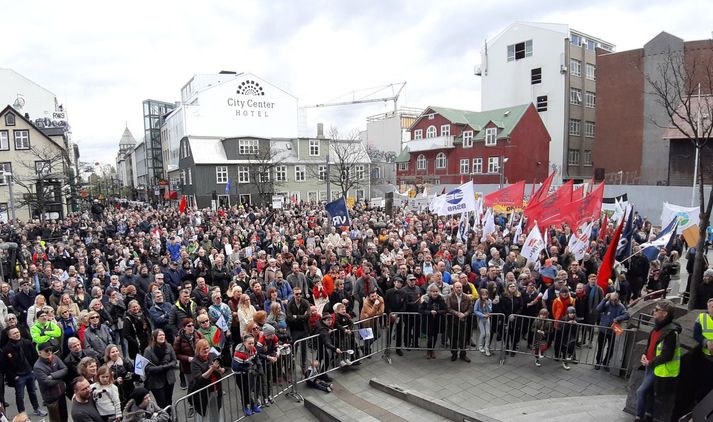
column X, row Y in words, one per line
column 458, row 200
column 488, row 225
column 139, row 364
column 534, row 244
column 687, row 216
column 579, row 242
column 220, row 323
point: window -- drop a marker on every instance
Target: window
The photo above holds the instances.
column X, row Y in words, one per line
column 431, row 132
column 9, row 119
column 221, row 174
column 587, row 157
column 359, row 172
column 4, row 140
column 589, row 129
column 376, row 172
column 403, row 166
column 189, row 180
column 575, row 39
column 247, row 146
column 464, row 166
column 360, row 195
column 418, row 134
column 575, row 127
column 575, row 67
column 299, row 173
column 243, row 174
column 322, row 173
column 441, row 161
column 520, row 50
column 314, row 147
column 43, row 168
column 280, row 173
column 493, row 164
column 421, row 162
column 477, row 165
column 542, row 103
column 323, row 195
column 573, row 156
column 591, row 45
column 431, row 116
column 590, row 71
column 5, row 173
column 536, row 76
column 467, row 139
column 575, row 96
column 263, row 175
column 22, row 139
column 445, row 130
column 590, row 99
column 491, row 134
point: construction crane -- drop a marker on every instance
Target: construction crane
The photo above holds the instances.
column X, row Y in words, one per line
column 362, row 96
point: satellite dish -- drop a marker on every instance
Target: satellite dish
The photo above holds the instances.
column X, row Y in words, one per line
column 19, row 102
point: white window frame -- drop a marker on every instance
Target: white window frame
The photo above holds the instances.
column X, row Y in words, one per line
column 280, row 173
column 590, row 129
column 6, row 167
column 575, row 67
column 573, row 157
column 300, row 173
column 376, row 172
column 248, row 146
column 478, row 165
column 441, row 161
column 322, row 196
column 360, row 195
column 575, row 127
column 575, row 96
column 590, row 70
column 23, row 136
column 493, row 165
column 467, row 139
column 491, row 136
column 359, row 172
column 418, row 134
column 322, row 172
column 403, row 166
column 431, row 132
column 4, row 140
column 314, row 147
column 512, row 53
column 590, row 99
column 445, row 130
column 221, row 175
column 263, row 175
column 421, row 162
column 313, row 196
column 243, row 174
column 189, row 176
column 464, row 166
column 587, row 158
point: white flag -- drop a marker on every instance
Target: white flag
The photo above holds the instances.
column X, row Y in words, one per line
column 687, row 216
column 458, row 200
column 139, row 365
column 534, row 244
column 488, row 225
column 464, row 227
column 579, row 242
column 220, row 323
column 518, row 232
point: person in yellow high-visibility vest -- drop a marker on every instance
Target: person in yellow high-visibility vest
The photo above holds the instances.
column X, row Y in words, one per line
column 662, row 363
column 703, row 334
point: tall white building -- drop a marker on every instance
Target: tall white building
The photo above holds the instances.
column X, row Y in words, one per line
column 551, row 66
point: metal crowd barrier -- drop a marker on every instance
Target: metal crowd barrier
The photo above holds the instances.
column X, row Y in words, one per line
column 365, row 339
column 577, row 343
column 446, row 332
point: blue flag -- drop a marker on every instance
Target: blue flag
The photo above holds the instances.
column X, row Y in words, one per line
column 651, row 249
column 227, row 187
column 623, row 250
column 338, row 213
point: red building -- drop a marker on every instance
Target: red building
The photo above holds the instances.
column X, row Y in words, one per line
column 451, row 146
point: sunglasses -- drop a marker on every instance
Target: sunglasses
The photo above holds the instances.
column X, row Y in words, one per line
column 189, row 325
column 94, row 317
column 203, row 322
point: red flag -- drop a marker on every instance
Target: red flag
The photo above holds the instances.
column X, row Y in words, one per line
column 549, row 211
column 182, row 206
column 462, row 179
column 603, row 229
column 510, row 196
column 542, row 192
column 588, row 208
column 605, row 270
column 218, row 337
column 578, row 193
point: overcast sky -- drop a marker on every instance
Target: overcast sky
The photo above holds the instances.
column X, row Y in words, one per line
column 102, row 59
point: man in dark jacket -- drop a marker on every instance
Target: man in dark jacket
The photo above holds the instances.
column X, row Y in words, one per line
column 298, row 321
column 611, row 311
column 50, row 372
column 18, row 357
column 396, row 300
column 662, row 361
column 638, row 271
column 76, row 354
column 460, row 308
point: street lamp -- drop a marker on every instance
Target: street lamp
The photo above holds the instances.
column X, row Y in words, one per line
column 503, row 160
column 8, row 176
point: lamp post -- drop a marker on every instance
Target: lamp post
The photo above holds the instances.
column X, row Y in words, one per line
column 698, row 142
column 503, row 160
column 8, row 176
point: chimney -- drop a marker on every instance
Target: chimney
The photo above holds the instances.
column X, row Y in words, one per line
column 320, row 130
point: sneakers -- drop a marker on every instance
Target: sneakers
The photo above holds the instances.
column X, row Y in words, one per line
column 247, row 411
column 481, row 349
column 597, row 366
column 39, row 412
column 465, row 358
column 399, row 352
column 329, row 388
column 184, row 386
column 256, row 409
column 487, row 352
column 537, row 363
column 565, row 365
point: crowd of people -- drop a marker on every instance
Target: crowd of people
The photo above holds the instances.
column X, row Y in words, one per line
column 189, row 295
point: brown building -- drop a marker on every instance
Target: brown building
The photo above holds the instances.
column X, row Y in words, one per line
column 633, row 144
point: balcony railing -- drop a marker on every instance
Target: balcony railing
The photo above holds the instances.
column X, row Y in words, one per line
column 429, row 144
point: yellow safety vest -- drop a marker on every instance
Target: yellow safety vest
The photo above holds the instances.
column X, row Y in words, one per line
column 707, row 326
column 672, row 368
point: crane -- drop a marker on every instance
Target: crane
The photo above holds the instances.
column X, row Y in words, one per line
column 358, row 98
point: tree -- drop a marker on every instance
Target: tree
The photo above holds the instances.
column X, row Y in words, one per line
column 344, row 158
column 683, row 86
column 262, row 170
column 42, row 175
column 377, row 155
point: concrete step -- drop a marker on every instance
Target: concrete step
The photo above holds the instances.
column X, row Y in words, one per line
column 328, row 407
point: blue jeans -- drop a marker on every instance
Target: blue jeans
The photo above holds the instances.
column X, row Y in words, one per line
column 22, row 381
column 645, row 393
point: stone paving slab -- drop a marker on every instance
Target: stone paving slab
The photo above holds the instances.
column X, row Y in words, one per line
column 592, row 408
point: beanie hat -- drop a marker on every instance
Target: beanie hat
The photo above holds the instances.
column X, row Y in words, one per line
column 139, row 394
column 708, row 273
column 571, row 310
column 268, row 329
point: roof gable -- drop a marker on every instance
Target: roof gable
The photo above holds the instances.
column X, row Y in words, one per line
column 506, row 119
column 9, row 108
